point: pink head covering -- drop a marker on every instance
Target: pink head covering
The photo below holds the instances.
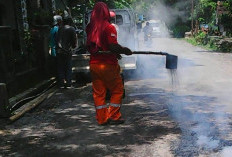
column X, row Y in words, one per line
column 99, row 20
column 112, row 14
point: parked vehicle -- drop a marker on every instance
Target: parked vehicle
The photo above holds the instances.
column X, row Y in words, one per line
column 159, row 29
column 127, row 34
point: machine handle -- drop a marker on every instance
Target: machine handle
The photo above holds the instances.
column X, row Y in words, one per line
column 139, row 52
column 150, row 53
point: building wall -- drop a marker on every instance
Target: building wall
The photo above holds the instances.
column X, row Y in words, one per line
column 7, row 13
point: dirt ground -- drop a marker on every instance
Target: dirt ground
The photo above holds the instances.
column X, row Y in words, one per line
column 65, row 125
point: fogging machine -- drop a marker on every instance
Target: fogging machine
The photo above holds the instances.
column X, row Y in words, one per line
column 171, row 60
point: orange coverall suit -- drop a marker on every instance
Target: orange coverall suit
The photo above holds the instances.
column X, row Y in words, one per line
column 105, row 72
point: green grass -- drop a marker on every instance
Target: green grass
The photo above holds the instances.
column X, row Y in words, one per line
column 209, row 46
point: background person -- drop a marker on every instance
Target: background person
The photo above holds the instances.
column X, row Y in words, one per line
column 57, row 21
column 139, row 26
column 147, row 31
column 113, row 20
column 66, row 40
column 104, row 68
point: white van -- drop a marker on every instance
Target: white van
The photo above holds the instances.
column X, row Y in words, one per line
column 159, row 29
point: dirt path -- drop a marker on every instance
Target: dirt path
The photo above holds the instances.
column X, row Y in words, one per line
column 65, row 125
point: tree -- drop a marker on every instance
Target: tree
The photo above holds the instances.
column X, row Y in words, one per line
column 226, row 18
column 205, row 11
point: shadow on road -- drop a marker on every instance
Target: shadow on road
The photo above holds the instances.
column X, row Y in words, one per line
column 65, row 125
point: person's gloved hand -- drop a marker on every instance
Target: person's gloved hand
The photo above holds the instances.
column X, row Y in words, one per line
column 127, row 51
column 119, row 56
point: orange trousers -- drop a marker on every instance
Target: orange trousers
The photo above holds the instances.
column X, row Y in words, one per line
column 106, row 76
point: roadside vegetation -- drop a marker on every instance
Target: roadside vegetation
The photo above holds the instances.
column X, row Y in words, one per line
column 211, row 25
column 214, row 43
column 202, row 40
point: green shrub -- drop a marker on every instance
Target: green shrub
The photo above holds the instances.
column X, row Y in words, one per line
column 201, row 38
column 192, row 41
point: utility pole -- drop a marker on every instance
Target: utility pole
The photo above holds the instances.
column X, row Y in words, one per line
column 192, row 17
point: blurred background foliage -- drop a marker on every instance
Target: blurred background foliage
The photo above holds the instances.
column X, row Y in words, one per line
column 188, row 14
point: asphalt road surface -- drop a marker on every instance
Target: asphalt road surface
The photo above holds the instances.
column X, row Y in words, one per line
column 179, row 113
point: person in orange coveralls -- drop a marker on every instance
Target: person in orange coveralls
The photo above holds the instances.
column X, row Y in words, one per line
column 104, row 68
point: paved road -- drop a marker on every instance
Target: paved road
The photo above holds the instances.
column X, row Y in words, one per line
column 182, row 113
column 200, row 99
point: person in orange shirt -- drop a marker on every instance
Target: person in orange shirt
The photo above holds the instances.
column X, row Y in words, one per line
column 104, row 68
column 112, row 20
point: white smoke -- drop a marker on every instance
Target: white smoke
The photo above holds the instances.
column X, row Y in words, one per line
column 209, row 125
column 207, row 142
column 207, row 128
column 226, row 152
column 169, row 14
